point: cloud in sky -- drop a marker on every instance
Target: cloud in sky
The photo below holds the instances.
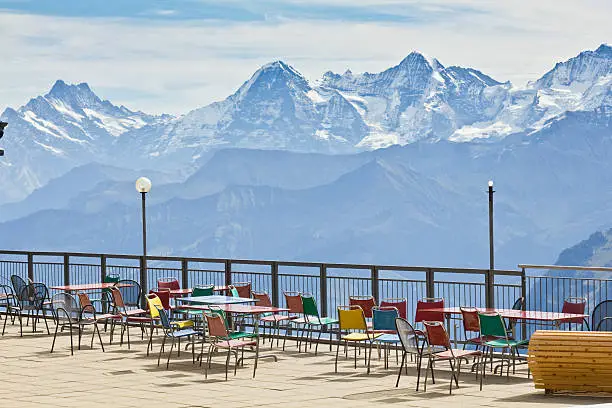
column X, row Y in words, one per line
column 173, row 56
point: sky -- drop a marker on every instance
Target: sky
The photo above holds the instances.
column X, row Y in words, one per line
column 174, row 56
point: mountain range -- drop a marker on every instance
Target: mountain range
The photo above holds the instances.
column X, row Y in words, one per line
column 373, row 167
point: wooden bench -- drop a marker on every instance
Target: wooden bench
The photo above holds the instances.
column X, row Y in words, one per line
column 571, row 361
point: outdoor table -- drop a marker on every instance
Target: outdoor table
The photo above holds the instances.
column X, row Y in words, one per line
column 215, row 300
column 187, row 291
column 90, row 286
column 234, row 308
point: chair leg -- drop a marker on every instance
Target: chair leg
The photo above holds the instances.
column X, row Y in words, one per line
column 99, row 337
column 80, row 328
column 419, row 359
column 169, row 354
column 161, row 349
column 426, row 372
column 256, row 357
column 71, row 345
column 317, row 345
column 369, row 357
column 229, row 352
column 399, row 374
column 336, row 363
column 54, row 336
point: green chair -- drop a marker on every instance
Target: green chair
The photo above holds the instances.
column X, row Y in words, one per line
column 492, row 326
column 198, row 290
column 311, row 320
column 203, row 290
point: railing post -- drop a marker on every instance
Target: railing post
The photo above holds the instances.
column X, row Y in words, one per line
column 524, row 295
column 143, row 278
column 323, row 289
column 274, row 273
column 102, row 268
column 31, row 266
column 184, row 273
column 374, row 274
column 430, row 287
column 228, row 272
column 66, row 270
column 490, row 289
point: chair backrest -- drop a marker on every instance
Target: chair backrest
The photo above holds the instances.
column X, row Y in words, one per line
column 407, row 336
column 436, row 334
column 309, row 305
column 113, row 278
column 19, row 286
column 85, row 301
column 263, row 299
column 383, row 318
column 130, row 292
column 164, row 298
column 203, row 290
column 365, row 302
column 470, row 319
column 163, row 318
column 351, row 318
column 424, row 314
column 601, row 311
column 294, row 302
column 40, row 293
column 117, row 299
column 243, row 288
column 168, row 283
column 216, row 325
column 518, row 303
column 492, row 324
column 401, row 304
column 66, row 306
column 155, row 304
column 233, row 291
column 574, row 305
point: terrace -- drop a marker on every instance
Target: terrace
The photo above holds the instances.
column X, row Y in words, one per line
column 123, row 376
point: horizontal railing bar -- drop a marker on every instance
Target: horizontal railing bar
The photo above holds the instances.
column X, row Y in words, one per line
column 568, row 268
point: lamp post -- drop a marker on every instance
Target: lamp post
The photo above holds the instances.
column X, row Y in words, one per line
column 143, row 186
column 491, row 251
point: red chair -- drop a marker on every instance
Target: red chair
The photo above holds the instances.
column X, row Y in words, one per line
column 296, row 310
column 366, row 303
column 274, row 319
column 401, row 304
column 243, row 288
column 471, row 324
column 438, row 337
column 575, row 305
column 423, row 312
column 168, row 283
column 218, row 331
column 163, row 295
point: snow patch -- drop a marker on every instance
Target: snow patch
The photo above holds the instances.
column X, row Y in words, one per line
column 315, row 96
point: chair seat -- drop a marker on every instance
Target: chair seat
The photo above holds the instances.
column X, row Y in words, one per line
column 456, row 353
column 359, row 336
column 234, row 343
column 139, row 319
column 388, row 338
column 133, row 312
column 382, row 331
column 502, row 343
column 183, row 323
column 277, row 318
column 183, row 333
column 242, row 335
column 316, row 322
column 480, row 340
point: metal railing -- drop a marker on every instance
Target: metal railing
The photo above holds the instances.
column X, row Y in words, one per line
column 330, row 283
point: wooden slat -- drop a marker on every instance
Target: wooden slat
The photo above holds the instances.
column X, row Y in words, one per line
column 573, row 361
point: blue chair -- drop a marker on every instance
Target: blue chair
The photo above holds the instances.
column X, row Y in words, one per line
column 174, row 331
column 383, row 323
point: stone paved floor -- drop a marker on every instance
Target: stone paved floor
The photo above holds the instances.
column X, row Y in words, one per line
column 128, row 378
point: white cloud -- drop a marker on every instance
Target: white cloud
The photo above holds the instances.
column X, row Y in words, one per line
column 176, row 66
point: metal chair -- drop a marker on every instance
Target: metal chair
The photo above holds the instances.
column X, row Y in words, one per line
column 383, row 324
column 437, row 336
column 32, row 300
column 131, row 293
column 601, row 318
column 519, row 304
column 352, row 320
column 272, row 318
column 8, row 300
column 168, row 283
column 126, row 316
column 409, row 341
column 243, row 288
column 69, row 314
column 312, row 319
column 221, row 339
column 401, row 304
column 296, row 310
column 366, row 303
column 575, row 305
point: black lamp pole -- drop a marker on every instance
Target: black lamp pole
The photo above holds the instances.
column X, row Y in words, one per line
column 144, row 226
column 491, row 250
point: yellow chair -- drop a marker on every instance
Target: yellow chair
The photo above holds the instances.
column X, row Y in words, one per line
column 352, row 320
column 155, row 303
